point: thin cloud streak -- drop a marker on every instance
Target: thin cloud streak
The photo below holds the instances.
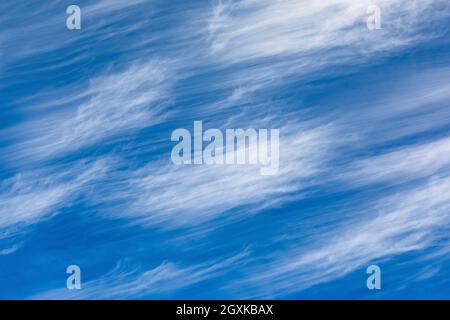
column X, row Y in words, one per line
column 113, row 104
column 188, row 195
column 405, row 222
column 125, row 283
column 407, row 163
column 30, row 197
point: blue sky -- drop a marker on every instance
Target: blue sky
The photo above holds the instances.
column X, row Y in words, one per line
column 87, row 178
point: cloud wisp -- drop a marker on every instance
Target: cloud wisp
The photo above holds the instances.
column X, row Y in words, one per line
column 405, row 222
column 112, row 105
column 188, row 195
column 30, row 197
column 166, row 279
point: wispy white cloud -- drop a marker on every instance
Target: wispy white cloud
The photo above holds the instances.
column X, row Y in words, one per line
column 103, row 7
column 242, row 30
column 250, row 45
column 412, row 210
column 281, row 39
column 403, row 105
column 405, row 222
column 186, row 195
column 125, row 283
column 113, row 104
column 42, row 28
column 258, row 46
column 407, row 163
column 9, row 250
column 30, row 197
